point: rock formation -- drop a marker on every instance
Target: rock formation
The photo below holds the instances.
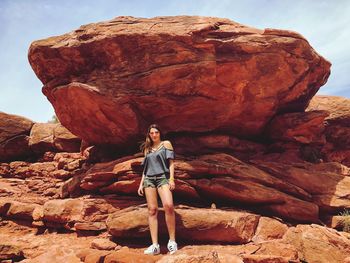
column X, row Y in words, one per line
column 108, row 80
column 262, row 165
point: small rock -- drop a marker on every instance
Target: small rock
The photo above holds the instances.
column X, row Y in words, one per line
column 103, row 244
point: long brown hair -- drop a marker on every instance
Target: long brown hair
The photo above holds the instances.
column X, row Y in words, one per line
column 145, row 147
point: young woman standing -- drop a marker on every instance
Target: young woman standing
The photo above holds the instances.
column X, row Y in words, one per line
column 158, row 176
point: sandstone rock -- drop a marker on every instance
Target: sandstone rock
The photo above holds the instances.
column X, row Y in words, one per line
column 269, row 229
column 127, row 187
column 15, row 148
column 125, row 255
column 264, row 252
column 13, row 125
column 336, row 222
column 337, row 126
column 52, row 137
column 41, row 137
column 96, row 256
column 302, row 127
column 221, row 69
column 10, row 252
column 329, row 190
column 201, row 144
column 84, row 214
column 14, row 131
column 231, row 190
column 23, row 210
column 64, row 140
column 103, row 244
column 62, row 211
column 47, row 157
column 4, row 169
column 56, row 254
column 90, row 226
column 318, row 244
column 338, row 107
column 191, row 224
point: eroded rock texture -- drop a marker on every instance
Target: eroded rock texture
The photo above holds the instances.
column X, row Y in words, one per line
column 261, row 169
column 107, row 81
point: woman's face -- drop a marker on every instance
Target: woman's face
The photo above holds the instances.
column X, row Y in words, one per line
column 154, row 134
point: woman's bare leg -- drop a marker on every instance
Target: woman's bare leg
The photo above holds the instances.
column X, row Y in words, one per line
column 167, row 200
column 152, row 204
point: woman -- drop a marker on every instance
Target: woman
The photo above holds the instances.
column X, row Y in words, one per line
column 158, row 175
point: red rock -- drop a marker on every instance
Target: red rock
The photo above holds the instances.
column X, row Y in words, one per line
column 62, row 211
column 128, row 187
column 125, row 255
column 14, row 131
column 96, row 256
column 219, row 68
column 64, row 140
column 338, row 107
column 90, row 186
column 231, row 190
column 52, row 137
column 91, row 226
column 103, row 244
column 329, row 190
column 318, row 244
column 25, row 170
column 337, row 126
column 12, row 125
column 61, row 174
column 15, row 148
column 4, row 169
column 336, row 222
column 214, row 142
column 185, row 191
column 272, row 251
column 269, row 229
column 47, row 157
column 192, row 224
column 10, row 252
column 303, row 127
column 41, row 137
column 23, row 210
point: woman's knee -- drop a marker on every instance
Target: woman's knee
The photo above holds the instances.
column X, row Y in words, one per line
column 168, row 208
column 152, row 210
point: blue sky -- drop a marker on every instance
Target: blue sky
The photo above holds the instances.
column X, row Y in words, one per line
column 324, row 23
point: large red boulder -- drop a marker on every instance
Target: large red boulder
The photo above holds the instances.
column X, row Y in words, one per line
column 107, row 81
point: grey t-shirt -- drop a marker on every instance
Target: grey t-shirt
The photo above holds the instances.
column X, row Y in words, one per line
column 157, row 162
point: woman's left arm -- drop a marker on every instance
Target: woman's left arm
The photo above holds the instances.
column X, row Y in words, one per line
column 171, row 169
column 171, row 179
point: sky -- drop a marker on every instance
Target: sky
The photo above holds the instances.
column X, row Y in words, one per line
column 324, row 23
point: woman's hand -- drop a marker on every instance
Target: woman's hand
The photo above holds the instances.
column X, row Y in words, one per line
column 140, row 190
column 171, row 184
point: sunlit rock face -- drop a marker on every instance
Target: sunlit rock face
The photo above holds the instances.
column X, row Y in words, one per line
column 107, row 81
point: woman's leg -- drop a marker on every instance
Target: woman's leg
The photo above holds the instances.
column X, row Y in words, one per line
column 167, row 200
column 152, row 203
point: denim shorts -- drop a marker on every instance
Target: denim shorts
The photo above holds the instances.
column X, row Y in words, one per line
column 155, row 181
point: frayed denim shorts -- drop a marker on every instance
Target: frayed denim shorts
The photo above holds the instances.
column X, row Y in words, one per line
column 155, row 181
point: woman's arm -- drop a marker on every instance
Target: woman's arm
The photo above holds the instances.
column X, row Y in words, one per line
column 172, row 170
column 140, row 190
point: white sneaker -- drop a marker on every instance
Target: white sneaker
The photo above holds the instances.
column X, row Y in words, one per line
column 152, row 250
column 172, row 246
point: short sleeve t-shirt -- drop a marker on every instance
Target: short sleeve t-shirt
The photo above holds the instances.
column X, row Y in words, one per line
column 158, row 162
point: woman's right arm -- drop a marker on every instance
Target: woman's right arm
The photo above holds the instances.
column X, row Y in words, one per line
column 140, row 190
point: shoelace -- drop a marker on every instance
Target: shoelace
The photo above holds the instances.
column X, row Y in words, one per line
column 152, row 248
column 172, row 246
